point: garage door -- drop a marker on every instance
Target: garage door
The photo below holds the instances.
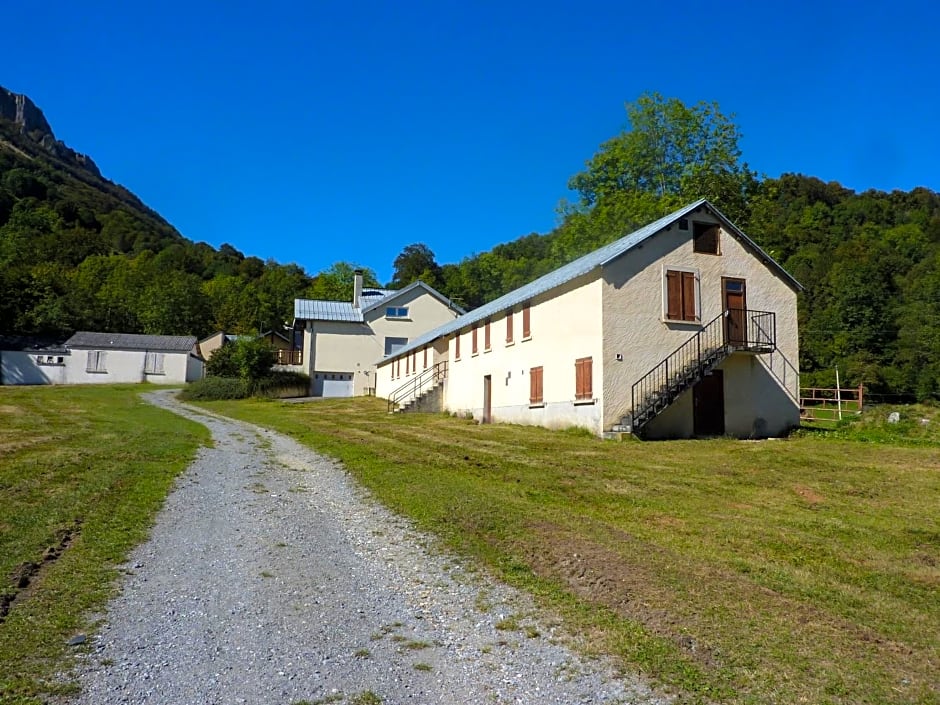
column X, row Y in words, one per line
column 332, row 384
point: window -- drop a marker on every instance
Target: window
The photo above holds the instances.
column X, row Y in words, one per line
column 535, row 385
column 457, row 345
column 97, row 361
column 583, row 378
column 414, row 360
column 425, row 358
column 398, row 367
column 393, row 345
column 526, row 322
column 509, row 326
column 681, row 301
column 486, row 335
column 407, row 365
column 399, row 312
column 153, row 364
column 705, row 238
column 473, row 341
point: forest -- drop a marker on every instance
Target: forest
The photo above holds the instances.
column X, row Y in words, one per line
column 80, row 253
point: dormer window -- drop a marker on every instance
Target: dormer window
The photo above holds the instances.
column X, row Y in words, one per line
column 396, row 312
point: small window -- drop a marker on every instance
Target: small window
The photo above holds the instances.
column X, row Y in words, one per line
column 396, row 312
column 526, row 322
column 97, row 361
column 425, row 357
column 153, row 364
column 680, row 294
column 583, row 378
column 535, row 385
column 683, row 223
column 509, row 326
column 407, row 365
column 393, row 345
column 457, row 345
column 473, row 341
column 398, row 367
column 486, row 335
column 705, row 238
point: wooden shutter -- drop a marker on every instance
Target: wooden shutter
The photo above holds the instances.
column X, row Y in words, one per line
column 509, row 326
column 526, row 322
column 414, row 361
column 425, row 358
column 474, row 349
column 584, row 378
column 457, row 345
column 688, row 296
column 486, row 335
column 535, row 385
column 407, row 364
column 673, row 295
column 398, row 367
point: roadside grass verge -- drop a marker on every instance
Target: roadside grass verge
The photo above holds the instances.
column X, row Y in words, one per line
column 83, row 471
column 800, row 570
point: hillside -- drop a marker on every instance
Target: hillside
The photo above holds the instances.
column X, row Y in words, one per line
column 78, row 251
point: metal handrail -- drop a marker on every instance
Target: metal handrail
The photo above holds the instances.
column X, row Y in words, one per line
column 413, row 387
column 659, row 387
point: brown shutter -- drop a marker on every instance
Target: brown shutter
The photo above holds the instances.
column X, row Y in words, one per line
column 535, row 385
column 398, row 367
column 425, row 357
column 486, row 335
column 407, row 364
column 673, row 295
column 473, row 348
column 584, row 373
column 526, row 322
column 509, row 326
column 688, row 296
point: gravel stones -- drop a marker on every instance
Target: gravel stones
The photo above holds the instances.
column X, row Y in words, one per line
column 270, row 577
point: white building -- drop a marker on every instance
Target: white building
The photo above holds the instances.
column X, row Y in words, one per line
column 682, row 328
column 105, row 358
column 343, row 339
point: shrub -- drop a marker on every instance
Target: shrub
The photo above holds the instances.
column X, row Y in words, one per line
column 212, row 388
column 250, row 359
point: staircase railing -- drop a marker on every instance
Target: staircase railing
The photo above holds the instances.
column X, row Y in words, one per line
column 416, row 385
column 731, row 330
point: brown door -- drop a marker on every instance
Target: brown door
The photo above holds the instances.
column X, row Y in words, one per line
column 487, row 398
column 735, row 297
column 708, row 405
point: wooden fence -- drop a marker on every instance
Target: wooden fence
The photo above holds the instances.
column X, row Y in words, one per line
column 822, row 404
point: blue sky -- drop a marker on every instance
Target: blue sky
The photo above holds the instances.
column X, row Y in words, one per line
column 315, row 132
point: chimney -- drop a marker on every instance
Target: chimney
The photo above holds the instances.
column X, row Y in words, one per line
column 357, row 287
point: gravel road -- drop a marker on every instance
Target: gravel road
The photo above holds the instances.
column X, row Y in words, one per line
column 270, row 577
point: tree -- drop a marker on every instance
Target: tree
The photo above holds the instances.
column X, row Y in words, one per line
column 670, row 149
column 336, row 283
column 416, row 262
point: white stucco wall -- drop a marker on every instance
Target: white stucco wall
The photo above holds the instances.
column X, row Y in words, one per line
column 345, row 347
column 634, row 325
column 127, row 366
column 564, row 327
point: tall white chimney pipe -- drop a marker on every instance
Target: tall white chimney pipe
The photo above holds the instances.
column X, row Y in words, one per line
column 357, row 287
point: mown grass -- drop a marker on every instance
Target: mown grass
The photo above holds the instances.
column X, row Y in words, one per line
column 92, row 462
column 800, row 570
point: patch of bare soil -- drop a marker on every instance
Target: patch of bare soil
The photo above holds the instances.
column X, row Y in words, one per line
column 812, row 498
column 7, row 409
column 27, row 573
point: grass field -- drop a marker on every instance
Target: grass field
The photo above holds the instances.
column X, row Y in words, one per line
column 786, row 571
column 82, row 473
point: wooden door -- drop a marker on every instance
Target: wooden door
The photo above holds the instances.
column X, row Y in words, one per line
column 735, row 300
column 708, row 405
column 487, row 398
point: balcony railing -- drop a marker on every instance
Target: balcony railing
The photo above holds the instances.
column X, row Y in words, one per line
column 289, row 357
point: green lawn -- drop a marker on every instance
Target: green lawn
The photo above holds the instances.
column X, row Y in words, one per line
column 83, row 471
column 800, row 570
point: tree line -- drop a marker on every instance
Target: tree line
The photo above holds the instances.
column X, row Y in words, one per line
column 76, row 256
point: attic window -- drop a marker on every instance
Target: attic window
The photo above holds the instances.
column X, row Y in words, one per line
column 396, row 312
column 683, row 223
column 705, row 238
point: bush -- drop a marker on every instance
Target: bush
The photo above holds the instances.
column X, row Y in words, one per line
column 213, row 388
column 250, row 359
column 281, row 384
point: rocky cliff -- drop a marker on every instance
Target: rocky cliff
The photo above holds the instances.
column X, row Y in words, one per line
column 32, row 124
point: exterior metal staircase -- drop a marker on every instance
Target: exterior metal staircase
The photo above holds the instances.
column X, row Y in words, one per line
column 409, row 395
column 734, row 330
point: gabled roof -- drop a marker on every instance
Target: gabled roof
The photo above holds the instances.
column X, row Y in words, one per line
column 584, row 265
column 320, row 310
column 29, row 343
column 132, row 341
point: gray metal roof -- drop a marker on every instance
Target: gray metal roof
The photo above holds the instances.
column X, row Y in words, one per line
column 320, row 310
column 132, row 341
column 584, row 265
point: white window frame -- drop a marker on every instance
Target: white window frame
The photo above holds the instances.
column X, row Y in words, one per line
column 396, row 312
column 697, row 289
